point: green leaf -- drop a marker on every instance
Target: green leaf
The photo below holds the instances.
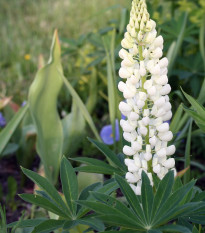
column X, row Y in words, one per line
column 42, row 99
column 187, row 155
column 174, row 126
column 198, row 119
column 107, row 170
column 27, row 223
column 48, row 226
column 132, row 198
column 95, row 223
column 175, row 228
column 112, row 90
column 195, row 230
column 177, row 184
column 147, row 197
column 172, row 201
column 44, row 203
column 69, row 184
column 46, row 186
column 176, row 45
column 81, row 106
column 8, row 131
column 101, row 208
column 195, row 105
column 113, row 202
column 163, row 192
column 110, row 155
column 120, row 221
column 73, row 135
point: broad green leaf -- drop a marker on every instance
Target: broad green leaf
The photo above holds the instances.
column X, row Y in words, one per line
column 87, row 179
column 132, row 199
column 48, row 226
column 46, row 186
column 81, row 106
column 73, row 135
column 27, row 223
column 188, row 155
column 199, row 197
column 110, row 155
column 175, row 228
column 42, row 99
column 163, row 192
column 44, row 203
column 147, row 197
column 8, row 131
column 69, row 184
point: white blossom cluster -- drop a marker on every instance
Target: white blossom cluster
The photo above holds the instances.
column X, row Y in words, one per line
column 146, row 104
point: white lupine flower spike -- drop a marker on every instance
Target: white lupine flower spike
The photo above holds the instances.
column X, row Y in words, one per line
column 145, row 88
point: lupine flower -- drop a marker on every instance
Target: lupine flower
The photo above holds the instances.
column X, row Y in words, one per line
column 146, row 104
column 107, row 134
column 23, row 103
column 2, row 120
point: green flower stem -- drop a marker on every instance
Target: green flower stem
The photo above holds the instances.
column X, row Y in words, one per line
column 143, row 80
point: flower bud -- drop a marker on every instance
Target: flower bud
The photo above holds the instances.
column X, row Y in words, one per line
column 127, row 150
column 169, row 163
column 163, row 127
column 166, row 136
column 170, row 150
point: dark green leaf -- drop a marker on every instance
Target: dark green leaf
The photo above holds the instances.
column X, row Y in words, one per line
column 48, row 226
column 147, row 197
column 110, row 155
column 131, row 197
column 107, row 170
column 163, row 193
column 44, row 203
column 69, row 184
column 175, row 228
column 45, row 185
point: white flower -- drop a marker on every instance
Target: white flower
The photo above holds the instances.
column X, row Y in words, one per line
column 146, row 104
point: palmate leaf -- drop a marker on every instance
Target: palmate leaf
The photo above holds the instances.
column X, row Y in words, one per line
column 111, row 201
column 111, row 215
column 69, row 184
column 48, row 188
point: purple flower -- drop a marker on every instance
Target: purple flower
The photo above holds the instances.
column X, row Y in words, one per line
column 2, row 121
column 107, row 135
column 24, row 103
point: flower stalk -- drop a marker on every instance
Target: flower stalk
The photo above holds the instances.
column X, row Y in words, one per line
column 146, row 104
